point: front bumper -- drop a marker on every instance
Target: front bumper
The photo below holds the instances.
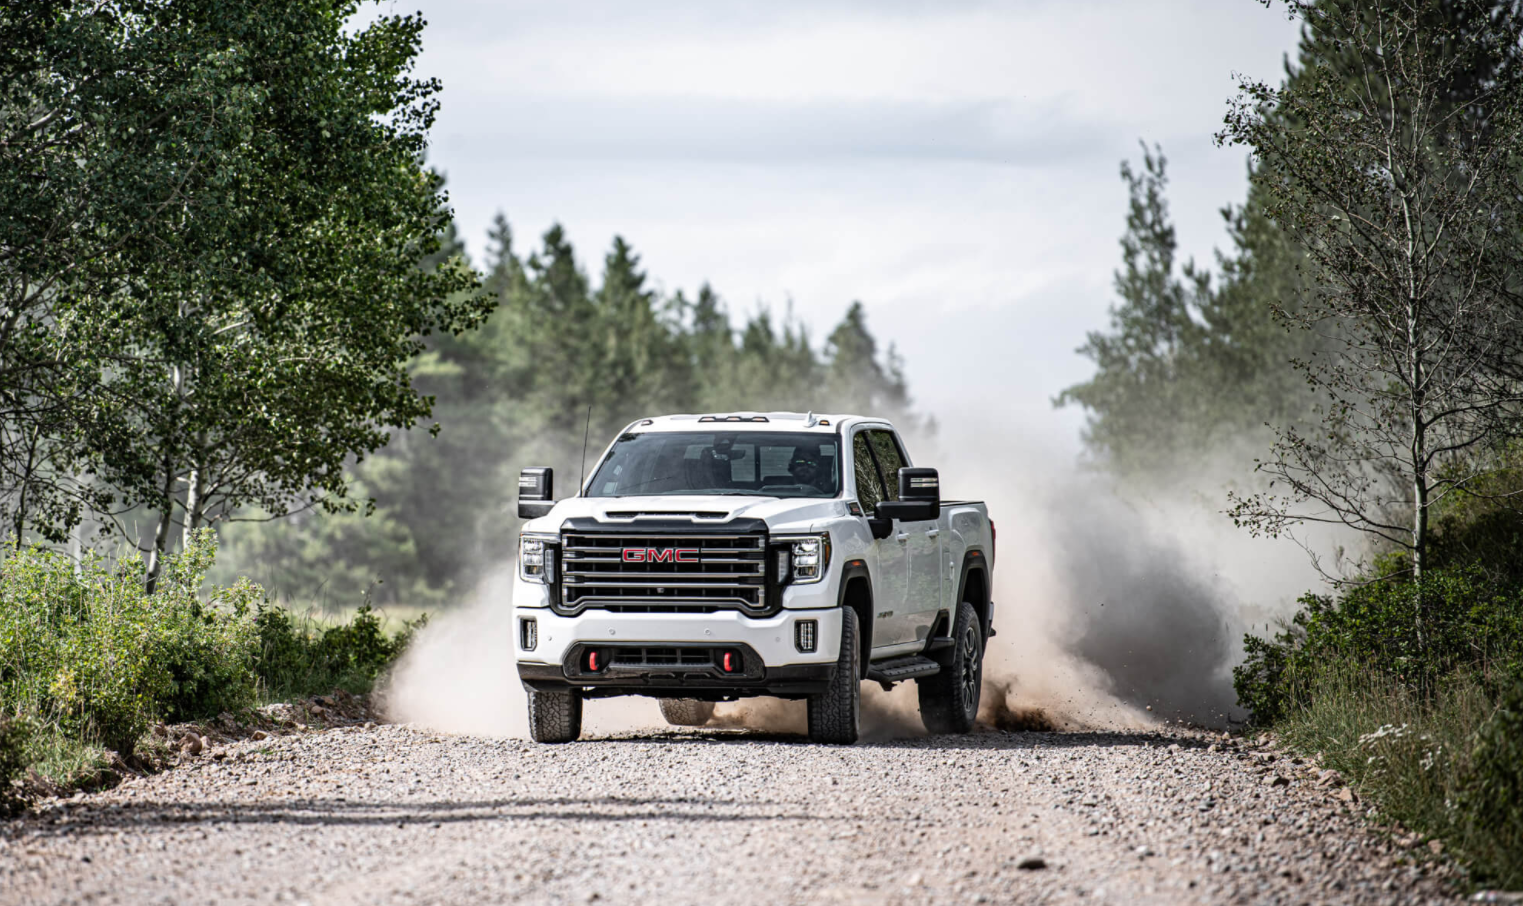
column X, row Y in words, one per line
column 788, row 681
column 775, row 666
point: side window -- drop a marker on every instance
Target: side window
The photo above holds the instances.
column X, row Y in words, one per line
column 869, row 487
column 889, row 457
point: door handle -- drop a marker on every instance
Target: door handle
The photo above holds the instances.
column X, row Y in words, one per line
column 902, row 537
column 933, row 533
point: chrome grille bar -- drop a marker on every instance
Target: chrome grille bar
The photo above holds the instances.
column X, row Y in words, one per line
column 720, row 572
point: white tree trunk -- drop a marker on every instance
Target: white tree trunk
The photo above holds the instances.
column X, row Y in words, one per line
column 193, row 506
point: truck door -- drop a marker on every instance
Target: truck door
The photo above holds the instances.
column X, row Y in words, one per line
column 891, row 570
column 921, row 543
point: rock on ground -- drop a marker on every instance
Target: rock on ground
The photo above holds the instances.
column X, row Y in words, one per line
column 393, row 814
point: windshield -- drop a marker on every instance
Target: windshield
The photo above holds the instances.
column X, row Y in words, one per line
column 760, row 463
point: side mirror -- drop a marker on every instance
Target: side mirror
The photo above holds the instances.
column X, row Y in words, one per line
column 536, row 492
column 919, row 496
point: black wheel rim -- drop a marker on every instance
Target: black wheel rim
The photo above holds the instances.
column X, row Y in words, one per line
column 969, row 668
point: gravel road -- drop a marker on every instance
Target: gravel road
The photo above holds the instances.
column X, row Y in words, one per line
column 393, row 814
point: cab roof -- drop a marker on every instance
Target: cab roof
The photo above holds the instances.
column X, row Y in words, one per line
column 822, row 423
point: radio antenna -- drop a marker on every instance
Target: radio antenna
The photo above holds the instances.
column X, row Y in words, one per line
column 585, row 430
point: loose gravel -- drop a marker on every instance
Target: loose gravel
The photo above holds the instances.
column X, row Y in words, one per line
column 394, row 814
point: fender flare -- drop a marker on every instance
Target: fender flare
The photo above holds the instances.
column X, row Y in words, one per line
column 975, row 567
column 852, row 571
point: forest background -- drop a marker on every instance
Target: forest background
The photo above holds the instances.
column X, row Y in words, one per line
column 234, row 301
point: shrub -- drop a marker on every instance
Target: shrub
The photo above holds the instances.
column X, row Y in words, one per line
column 208, row 649
column 14, row 735
column 299, row 656
column 1449, row 765
column 1493, row 795
column 88, row 658
column 87, row 653
column 1470, row 622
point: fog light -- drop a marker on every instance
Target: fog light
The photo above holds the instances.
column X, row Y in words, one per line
column 528, row 633
column 805, row 635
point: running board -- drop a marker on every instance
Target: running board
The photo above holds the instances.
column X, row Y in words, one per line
column 902, row 668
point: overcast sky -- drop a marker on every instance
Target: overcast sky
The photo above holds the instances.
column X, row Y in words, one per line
column 953, row 165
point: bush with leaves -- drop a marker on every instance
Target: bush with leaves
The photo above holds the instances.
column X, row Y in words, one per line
column 14, row 733
column 299, row 656
column 1493, row 797
column 88, row 654
column 1473, row 621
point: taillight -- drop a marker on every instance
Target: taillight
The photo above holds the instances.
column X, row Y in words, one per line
column 993, row 536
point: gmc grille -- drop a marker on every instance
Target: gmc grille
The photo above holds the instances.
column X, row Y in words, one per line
column 727, row 572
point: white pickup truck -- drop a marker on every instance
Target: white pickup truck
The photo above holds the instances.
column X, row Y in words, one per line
column 715, row 557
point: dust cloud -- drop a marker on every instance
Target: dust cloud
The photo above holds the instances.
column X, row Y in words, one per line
column 1113, row 610
column 894, row 714
column 1116, row 609
column 458, row 676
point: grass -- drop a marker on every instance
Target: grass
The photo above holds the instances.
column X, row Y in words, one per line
column 1413, row 758
column 395, row 618
column 64, row 760
column 90, row 660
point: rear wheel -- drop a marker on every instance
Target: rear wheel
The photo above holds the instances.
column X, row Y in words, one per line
column 949, row 699
column 555, row 716
column 686, row 712
column 835, row 714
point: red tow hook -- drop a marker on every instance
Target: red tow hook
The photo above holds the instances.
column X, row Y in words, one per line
column 730, row 662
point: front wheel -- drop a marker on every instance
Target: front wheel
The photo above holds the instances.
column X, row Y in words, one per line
column 835, row 714
column 949, row 699
column 555, row 716
column 686, row 712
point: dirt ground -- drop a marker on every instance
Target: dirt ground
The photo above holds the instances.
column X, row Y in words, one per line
column 393, row 814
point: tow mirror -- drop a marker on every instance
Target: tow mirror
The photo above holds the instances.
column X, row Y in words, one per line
column 536, row 492
column 919, row 496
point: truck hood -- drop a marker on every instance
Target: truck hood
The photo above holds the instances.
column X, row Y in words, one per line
column 780, row 514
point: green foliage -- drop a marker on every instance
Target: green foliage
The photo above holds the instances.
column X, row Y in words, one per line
column 15, row 734
column 1493, row 792
column 1192, row 365
column 1482, row 526
column 1188, row 366
column 299, row 656
column 88, row 654
column 516, row 392
column 1473, row 623
column 213, row 213
column 1408, row 213
column 89, row 659
column 1444, row 765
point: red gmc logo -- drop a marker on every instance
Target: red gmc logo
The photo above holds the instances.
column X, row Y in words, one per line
column 660, row 555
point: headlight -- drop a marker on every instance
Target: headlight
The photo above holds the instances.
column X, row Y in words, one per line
column 536, row 559
column 807, row 559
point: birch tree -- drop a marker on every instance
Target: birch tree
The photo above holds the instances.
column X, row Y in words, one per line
column 117, row 121
column 257, row 361
column 1402, row 187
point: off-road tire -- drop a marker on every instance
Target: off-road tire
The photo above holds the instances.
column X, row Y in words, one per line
column 686, row 712
column 949, row 699
column 555, row 716
column 836, row 713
